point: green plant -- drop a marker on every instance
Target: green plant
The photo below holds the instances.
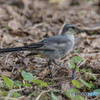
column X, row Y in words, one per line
column 73, row 97
column 8, row 82
column 74, row 61
column 27, row 76
column 53, row 96
column 76, row 83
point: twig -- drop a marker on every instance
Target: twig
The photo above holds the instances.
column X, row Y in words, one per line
column 9, row 94
column 82, row 63
column 7, row 58
column 10, row 98
column 17, row 90
column 97, row 97
column 1, row 44
column 38, row 97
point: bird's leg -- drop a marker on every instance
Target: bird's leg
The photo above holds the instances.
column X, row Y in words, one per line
column 49, row 63
column 57, row 63
column 74, row 73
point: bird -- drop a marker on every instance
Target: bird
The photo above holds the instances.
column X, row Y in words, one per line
column 53, row 47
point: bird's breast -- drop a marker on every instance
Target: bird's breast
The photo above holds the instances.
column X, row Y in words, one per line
column 66, row 48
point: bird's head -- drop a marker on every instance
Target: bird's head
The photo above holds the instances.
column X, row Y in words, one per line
column 70, row 29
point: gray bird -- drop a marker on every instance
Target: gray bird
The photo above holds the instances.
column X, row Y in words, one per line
column 52, row 47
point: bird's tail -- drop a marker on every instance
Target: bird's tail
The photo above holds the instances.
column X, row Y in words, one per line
column 25, row 48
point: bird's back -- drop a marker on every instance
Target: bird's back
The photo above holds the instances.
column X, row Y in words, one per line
column 56, row 46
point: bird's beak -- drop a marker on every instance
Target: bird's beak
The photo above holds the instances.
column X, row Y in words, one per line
column 80, row 30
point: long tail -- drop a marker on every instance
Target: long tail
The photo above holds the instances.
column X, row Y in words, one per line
column 33, row 47
column 24, row 48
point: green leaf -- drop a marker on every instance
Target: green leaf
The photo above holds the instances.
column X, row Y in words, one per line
column 37, row 56
column 76, row 51
column 18, row 84
column 85, row 83
column 27, row 76
column 76, row 59
column 83, row 70
column 53, row 96
column 71, row 65
column 91, row 75
column 26, row 84
column 91, row 84
column 40, row 82
column 56, row 90
column 34, row 94
column 68, row 92
column 75, row 97
column 7, row 27
column 76, row 83
column 3, row 93
column 78, row 69
column 15, row 94
column 97, row 90
column 8, row 81
column 50, row 83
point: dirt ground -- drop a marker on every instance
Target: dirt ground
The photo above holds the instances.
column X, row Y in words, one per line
column 23, row 22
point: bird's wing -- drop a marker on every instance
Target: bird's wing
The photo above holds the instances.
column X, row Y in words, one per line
column 51, row 43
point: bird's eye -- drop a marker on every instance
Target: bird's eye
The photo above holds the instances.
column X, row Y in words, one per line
column 73, row 27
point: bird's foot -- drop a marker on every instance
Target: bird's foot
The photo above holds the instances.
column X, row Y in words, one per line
column 57, row 64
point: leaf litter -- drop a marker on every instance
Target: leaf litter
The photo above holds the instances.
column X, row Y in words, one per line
column 23, row 22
